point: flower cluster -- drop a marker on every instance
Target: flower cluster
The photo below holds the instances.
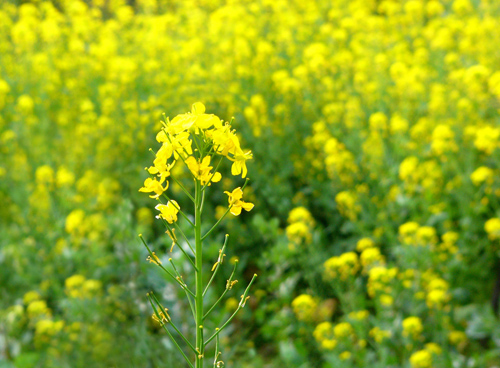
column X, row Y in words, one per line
column 299, row 230
column 195, row 139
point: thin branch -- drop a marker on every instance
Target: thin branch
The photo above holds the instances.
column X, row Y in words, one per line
column 169, row 334
column 241, row 305
column 152, row 255
column 176, row 242
column 217, row 223
column 172, row 323
column 228, row 287
column 179, row 277
column 217, row 352
column 183, row 188
column 219, row 261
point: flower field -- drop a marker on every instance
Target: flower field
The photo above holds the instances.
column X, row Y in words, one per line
column 375, row 132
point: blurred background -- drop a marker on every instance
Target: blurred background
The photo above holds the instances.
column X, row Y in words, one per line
column 375, row 131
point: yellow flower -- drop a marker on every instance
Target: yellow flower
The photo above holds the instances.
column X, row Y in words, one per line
column 371, row 256
column 492, row 227
column 168, row 211
column 31, row 296
column 305, row 306
column 48, row 327
column 421, row 359
column 298, row 232
column 359, row 315
column 481, row 175
column 433, row 348
column 64, row 177
column 235, row 202
column 457, row 337
column 300, row 214
column 239, row 162
column 323, row 333
column 44, row 175
column 344, row 266
column 345, row 355
column 153, row 185
column 195, row 119
column 343, row 330
column 386, row 300
column 437, row 298
column 38, row 308
column 347, row 204
column 408, row 231
column 74, row 222
column 426, row 235
column 487, row 139
column 379, row 335
column 201, row 170
column 364, row 243
column 412, row 327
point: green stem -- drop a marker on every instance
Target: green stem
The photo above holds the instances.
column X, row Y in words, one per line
column 219, row 261
column 199, row 277
column 163, row 268
column 217, row 353
column 217, row 223
column 228, row 284
column 184, row 236
column 172, row 323
column 177, row 243
column 181, row 281
column 183, row 188
column 168, row 333
column 241, row 305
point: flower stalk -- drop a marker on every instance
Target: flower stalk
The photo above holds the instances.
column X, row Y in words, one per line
column 211, row 138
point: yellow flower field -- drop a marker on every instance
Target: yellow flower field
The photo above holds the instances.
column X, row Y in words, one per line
column 375, row 132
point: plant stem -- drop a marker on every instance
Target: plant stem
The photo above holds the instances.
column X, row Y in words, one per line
column 219, row 261
column 199, row 277
column 241, row 305
column 168, row 332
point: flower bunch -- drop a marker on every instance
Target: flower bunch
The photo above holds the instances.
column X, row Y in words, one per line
column 210, row 136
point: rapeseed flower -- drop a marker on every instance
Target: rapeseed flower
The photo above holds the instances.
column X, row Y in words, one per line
column 236, row 203
column 168, row 211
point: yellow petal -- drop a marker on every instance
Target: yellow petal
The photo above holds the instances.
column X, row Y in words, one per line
column 206, row 161
column 217, row 177
column 237, row 194
column 247, row 206
column 198, row 108
column 236, row 210
column 236, row 168
column 161, row 137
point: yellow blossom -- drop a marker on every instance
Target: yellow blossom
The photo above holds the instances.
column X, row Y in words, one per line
column 168, row 211
column 412, row 327
column 421, row 359
column 152, row 185
column 236, row 203
column 304, row 307
column 323, row 333
column 201, row 170
column 482, row 175
column 492, row 228
column 364, row 243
